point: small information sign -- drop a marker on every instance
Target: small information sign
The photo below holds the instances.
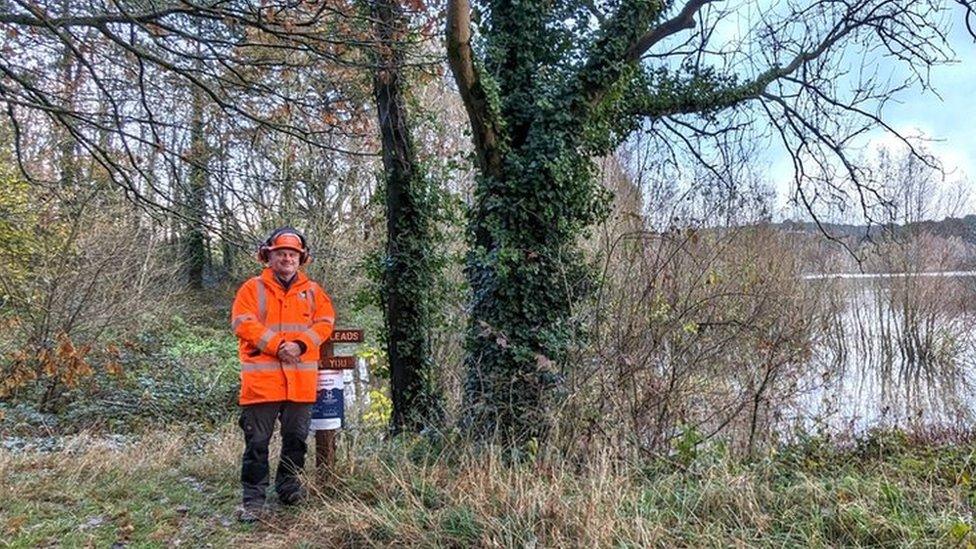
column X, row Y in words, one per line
column 337, row 363
column 347, row 336
column 328, row 413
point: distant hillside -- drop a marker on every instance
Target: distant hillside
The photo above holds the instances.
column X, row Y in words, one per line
column 963, row 228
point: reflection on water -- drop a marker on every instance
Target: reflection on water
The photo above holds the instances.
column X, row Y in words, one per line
column 894, row 351
column 849, row 276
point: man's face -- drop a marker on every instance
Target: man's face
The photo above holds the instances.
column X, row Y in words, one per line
column 284, row 262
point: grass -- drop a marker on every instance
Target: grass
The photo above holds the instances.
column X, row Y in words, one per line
column 180, row 487
column 93, row 494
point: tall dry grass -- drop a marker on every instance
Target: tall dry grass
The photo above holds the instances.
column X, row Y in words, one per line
column 411, row 494
column 177, row 487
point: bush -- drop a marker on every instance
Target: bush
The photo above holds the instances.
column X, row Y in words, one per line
column 98, row 272
column 174, row 373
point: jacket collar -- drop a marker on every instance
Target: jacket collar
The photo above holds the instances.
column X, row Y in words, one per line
column 271, row 281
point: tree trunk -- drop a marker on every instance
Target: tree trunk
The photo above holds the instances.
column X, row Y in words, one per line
column 534, row 198
column 526, row 276
column 67, row 161
column 408, row 277
column 195, row 244
column 229, row 231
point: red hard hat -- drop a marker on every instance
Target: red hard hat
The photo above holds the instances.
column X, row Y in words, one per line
column 282, row 238
column 287, row 240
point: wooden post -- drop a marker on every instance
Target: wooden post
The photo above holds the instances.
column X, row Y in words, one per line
column 325, row 446
column 325, row 440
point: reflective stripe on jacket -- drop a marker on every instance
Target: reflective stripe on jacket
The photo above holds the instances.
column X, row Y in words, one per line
column 263, row 317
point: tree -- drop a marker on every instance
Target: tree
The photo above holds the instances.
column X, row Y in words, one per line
column 195, row 249
column 409, row 269
column 549, row 85
column 148, row 71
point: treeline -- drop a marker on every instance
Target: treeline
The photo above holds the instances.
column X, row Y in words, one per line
column 962, row 228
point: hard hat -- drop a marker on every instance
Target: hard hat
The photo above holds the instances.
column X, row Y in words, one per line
column 287, row 240
column 285, row 237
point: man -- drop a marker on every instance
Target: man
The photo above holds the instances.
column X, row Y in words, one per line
column 280, row 319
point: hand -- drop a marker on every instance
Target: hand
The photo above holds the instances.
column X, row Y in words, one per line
column 289, row 352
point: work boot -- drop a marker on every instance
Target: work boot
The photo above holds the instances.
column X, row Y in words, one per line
column 293, row 497
column 249, row 514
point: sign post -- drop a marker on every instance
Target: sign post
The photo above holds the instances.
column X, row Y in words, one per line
column 328, row 412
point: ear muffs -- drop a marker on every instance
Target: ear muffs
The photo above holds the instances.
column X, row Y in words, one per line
column 264, row 250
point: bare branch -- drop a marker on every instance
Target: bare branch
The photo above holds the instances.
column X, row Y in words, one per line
column 683, row 21
column 39, row 19
column 970, row 16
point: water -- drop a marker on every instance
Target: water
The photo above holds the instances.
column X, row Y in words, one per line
column 877, row 276
column 897, row 350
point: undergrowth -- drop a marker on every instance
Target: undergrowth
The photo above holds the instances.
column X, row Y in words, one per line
column 180, row 485
column 183, row 372
column 173, row 478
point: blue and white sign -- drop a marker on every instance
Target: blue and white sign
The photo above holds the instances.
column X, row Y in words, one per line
column 329, row 409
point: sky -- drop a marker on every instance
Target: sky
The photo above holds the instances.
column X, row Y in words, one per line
column 950, row 116
column 942, row 117
column 945, row 115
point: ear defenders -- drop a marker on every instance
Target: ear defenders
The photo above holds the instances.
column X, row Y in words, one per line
column 284, row 237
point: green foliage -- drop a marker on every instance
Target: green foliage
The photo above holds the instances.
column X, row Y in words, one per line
column 16, row 219
column 686, row 446
column 186, row 342
column 379, row 411
column 25, row 235
column 183, row 373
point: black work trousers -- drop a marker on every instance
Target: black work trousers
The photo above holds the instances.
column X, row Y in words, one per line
column 258, row 422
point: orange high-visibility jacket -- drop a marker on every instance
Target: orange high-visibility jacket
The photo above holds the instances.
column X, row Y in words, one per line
column 264, row 316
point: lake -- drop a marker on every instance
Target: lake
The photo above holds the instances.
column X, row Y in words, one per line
column 896, row 350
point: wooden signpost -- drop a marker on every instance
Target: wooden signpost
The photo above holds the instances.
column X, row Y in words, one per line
column 338, row 363
column 325, row 440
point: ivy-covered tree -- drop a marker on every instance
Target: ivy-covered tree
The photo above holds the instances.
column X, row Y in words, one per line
column 195, row 247
column 409, row 266
column 550, row 84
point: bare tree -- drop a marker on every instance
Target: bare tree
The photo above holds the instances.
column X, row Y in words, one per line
column 278, row 72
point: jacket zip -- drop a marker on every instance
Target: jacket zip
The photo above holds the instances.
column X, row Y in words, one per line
column 281, row 365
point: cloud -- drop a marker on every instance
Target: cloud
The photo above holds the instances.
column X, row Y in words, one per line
column 955, row 160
